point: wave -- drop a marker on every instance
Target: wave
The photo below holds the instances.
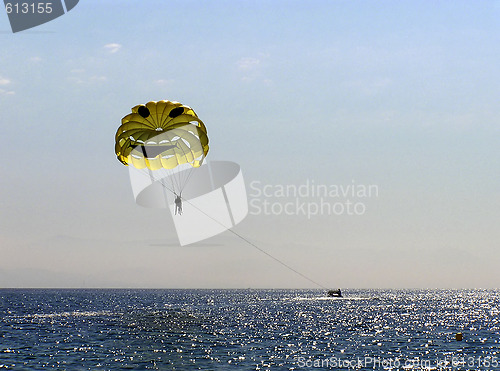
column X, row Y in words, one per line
column 70, row 314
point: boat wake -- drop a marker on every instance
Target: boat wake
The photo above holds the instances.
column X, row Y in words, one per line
column 330, row 298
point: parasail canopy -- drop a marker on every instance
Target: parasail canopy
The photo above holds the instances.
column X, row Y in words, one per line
column 163, row 136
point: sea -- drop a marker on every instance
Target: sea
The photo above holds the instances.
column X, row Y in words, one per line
column 118, row 329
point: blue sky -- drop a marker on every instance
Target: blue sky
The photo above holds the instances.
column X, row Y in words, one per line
column 399, row 94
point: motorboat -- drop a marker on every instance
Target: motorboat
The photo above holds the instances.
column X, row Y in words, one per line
column 334, row 293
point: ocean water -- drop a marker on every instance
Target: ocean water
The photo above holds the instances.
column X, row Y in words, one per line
column 249, row 329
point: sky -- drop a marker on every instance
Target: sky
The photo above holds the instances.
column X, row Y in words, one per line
column 397, row 94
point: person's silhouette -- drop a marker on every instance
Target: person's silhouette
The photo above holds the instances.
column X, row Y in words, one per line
column 178, row 205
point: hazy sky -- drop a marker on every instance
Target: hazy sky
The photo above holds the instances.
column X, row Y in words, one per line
column 400, row 94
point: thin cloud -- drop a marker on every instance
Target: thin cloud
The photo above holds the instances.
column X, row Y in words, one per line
column 4, row 81
column 112, row 47
column 248, row 64
column 268, row 82
column 79, row 77
column 164, row 82
column 98, row 78
column 252, row 69
column 7, row 92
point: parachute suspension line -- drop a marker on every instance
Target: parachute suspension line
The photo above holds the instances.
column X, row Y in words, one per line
column 188, row 176
column 147, row 173
column 184, row 178
column 260, row 249
column 170, row 173
column 179, row 175
column 172, row 181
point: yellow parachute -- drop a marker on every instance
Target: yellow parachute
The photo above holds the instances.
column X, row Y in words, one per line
column 162, row 135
